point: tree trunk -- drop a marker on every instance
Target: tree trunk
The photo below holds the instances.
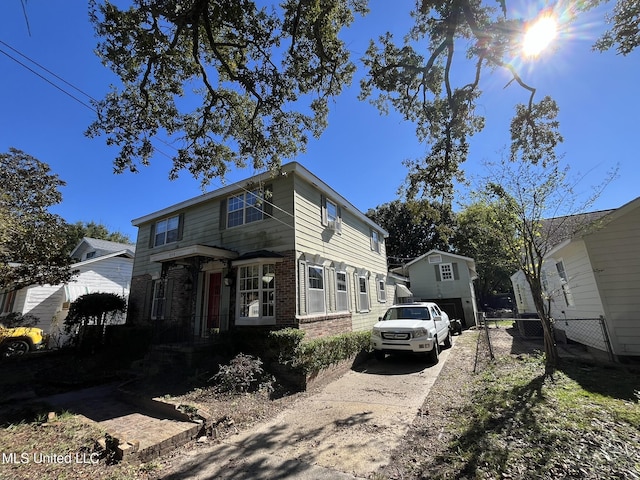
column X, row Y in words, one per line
column 550, row 348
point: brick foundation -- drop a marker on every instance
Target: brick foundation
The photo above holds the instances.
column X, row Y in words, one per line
column 325, row 325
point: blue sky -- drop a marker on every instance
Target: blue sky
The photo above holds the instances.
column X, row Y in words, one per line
column 360, row 154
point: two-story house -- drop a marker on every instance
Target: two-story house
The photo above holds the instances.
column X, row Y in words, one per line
column 447, row 279
column 284, row 250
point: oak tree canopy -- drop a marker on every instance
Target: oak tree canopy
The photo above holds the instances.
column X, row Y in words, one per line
column 245, row 83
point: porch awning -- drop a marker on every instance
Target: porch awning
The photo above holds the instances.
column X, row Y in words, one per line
column 402, row 291
column 193, row 251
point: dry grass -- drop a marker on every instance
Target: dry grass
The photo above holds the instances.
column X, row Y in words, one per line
column 482, row 419
column 509, row 421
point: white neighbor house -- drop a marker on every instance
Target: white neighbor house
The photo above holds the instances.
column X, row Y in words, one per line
column 593, row 281
column 103, row 267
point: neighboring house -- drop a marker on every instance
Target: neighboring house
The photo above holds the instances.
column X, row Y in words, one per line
column 105, row 267
column 592, row 280
column 446, row 279
column 89, row 248
column 282, row 251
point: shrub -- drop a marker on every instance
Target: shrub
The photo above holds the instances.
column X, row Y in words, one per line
column 322, row 353
column 17, row 319
column 243, row 374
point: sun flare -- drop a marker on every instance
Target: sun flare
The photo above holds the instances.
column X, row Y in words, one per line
column 539, row 35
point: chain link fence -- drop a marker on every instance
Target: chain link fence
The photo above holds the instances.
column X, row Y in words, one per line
column 577, row 337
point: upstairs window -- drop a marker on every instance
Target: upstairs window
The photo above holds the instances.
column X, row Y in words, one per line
column 331, row 215
column 166, row 231
column 375, row 241
column 244, row 208
column 446, row 272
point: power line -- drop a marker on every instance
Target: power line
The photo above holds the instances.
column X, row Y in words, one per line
column 96, row 111
column 47, row 70
column 47, row 80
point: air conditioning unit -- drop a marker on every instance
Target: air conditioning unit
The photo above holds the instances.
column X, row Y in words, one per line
column 332, row 225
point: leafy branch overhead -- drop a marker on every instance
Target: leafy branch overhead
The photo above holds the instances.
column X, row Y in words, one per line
column 438, row 91
column 225, row 77
column 244, row 83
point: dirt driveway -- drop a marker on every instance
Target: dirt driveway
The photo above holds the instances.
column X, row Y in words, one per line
column 348, row 429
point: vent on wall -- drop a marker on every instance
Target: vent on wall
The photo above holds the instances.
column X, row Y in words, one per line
column 435, row 259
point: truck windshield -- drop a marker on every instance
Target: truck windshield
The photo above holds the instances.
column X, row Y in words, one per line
column 407, row 313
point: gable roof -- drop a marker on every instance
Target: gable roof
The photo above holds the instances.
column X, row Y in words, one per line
column 577, row 226
column 291, row 167
column 471, row 263
column 122, row 253
column 560, row 229
column 104, row 245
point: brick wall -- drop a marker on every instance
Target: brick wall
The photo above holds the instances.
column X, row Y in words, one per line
column 326, row 325
column 137, row 299
column 286, row 298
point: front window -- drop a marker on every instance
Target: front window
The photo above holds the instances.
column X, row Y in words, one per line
column 342, row 297
column 167, row 231
column 363, row 293
column 315, row 286
column 244, row 208
column 256, row 290
column 382, row 292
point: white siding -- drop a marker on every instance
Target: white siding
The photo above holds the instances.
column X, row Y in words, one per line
column 581, row 284
column 614, row 251
column 109, row 275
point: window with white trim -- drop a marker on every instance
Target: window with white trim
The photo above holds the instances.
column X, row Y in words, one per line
column 363, row 293
column 342, row 295
column 544, row 280
column 446, row 272
column 315, row 289
column 375, row 241
column 246, row 207
column 382, row 290
column 159, row 299
column 564, row 284
column 332, row 211
column 257, row 292
column 166, row 231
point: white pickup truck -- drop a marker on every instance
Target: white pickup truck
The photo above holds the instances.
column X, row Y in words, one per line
column 412, row 327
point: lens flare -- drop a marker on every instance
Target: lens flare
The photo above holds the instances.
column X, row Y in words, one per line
column 539, row 35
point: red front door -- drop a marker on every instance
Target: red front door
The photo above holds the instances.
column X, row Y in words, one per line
column 213, row 303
